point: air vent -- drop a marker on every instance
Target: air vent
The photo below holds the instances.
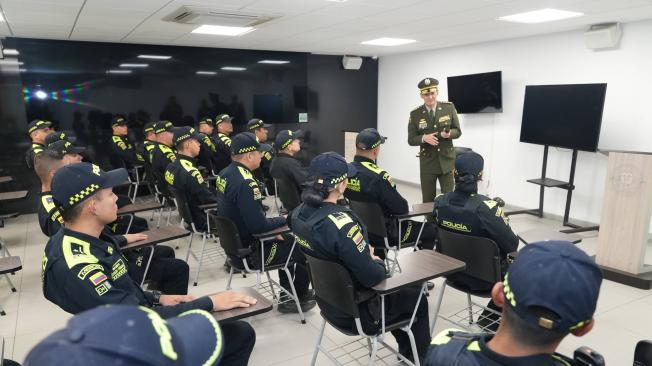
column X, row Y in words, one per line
column 231, row 18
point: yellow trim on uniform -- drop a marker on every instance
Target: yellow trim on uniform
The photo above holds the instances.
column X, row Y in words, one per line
column 218, row 335
column 340, row 219
column 82, row 255
column 474, row 346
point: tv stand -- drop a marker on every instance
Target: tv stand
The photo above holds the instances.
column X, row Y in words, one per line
column 545, row 182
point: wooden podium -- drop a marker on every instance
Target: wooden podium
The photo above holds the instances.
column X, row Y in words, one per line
column 625, row 219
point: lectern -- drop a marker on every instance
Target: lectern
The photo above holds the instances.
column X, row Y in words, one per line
column 625, row 219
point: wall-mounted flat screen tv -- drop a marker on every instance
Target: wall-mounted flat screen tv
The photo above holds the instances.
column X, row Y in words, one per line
column 567, row 116
column 476, row 93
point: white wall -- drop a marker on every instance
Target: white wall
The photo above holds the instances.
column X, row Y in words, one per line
column 559, row 58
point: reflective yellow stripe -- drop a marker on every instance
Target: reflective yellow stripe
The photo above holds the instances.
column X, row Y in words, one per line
column 77, row 251
column 218, row 335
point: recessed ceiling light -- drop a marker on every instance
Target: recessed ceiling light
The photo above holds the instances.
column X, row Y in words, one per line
column 118, row 71
column 388, row 42
column 233, row 68
column 134, row 65
column 40, row 94
column 155, row 57
column 22, row 70
column 206, row 73
column 220, row 30
column 540, row 16
column 273, row 62
column 10, row 52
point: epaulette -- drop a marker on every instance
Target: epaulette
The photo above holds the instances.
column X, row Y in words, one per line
column 416, row 108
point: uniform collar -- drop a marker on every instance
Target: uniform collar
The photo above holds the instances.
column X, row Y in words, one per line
column 103, row 239
column 534, row 360
column 241, row 165
column 46, row 193
column 362, row 159
column 36, row 143
column 186, row 157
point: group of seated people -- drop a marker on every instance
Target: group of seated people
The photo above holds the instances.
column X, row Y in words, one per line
column 549, row 291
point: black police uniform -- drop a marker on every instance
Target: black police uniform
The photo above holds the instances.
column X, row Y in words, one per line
column 289, row 170
column 149, row 147
column 240, row 199
column 207, row 152
column 81, row 272
column 184, row 176
column 374, row 184
column 222, row 152
column 34, row 149
column 161, row 157
column 170, row 275
column 125, row 152
column 335, row 233
column 262, row 173
column 465, row 349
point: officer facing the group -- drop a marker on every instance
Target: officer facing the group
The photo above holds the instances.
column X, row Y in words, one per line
column 123, row 152
column 550, row 291
column 286, row 168
column 332, row 232
column 374, row 184
column 164, row 153
column 240, row 199
column 223, row 128
column 184, row 176
column 37, row 130
column 433, row 126
column 82, row 268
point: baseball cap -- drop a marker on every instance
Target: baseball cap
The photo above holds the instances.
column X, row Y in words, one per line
column 74, row 183
column 118, row 121
column 130, row 335
column 428, row 85
column 368, row 139
column 182, row 134
column 244, row 142
column 63, row 147
column 469, row 163
column 163, row 126
column 38, row 124
column 222, row 118
column 149, row 127
column 285, row 138
column 205, row 120
column 59, row 136
column 255, row 123
column 557, row 276
column 330, row 168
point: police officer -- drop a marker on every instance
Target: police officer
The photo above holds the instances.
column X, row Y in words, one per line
column 164, row 153
column 37, row 130
column 240, row 199
column 123, row 152
column 83, row 269
column 208, row 148
column 332, row 232
column 374, row 184
column 184, row 176
column 223, row 128
column 551, row 290
column 285, row 166
column 150, row 140
column 261, row 130
column 433, row 126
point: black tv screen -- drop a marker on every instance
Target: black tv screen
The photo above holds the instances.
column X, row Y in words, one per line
column 476, row 93
column 563, row 115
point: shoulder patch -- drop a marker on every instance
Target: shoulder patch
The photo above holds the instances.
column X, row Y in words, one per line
column 77, row 251
column 116, row 138
column 340, row 219
column 246, row 174
column 490, row 203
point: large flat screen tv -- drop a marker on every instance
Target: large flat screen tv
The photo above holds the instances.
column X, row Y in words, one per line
column 563, row 115
column 476, row 93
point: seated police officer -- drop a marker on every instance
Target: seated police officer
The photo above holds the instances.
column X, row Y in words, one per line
column 137, row 336
column 329, row 231
column 163, row 154
column 37, row 130
column 123, row 152
column 550, row 290
column 83, row 268
column 223, row 128
column 184, row 176
column 208, row 147
column 240, row 199
column 261, row 130
column 374, row 184
column 150, row 142
column 285, row 166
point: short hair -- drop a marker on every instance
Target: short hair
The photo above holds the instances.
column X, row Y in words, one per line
column 71, row 214
column 183, row 145
column 46, row 163
column 531, row 335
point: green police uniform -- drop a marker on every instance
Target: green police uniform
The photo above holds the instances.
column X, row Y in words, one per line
column 436, row 162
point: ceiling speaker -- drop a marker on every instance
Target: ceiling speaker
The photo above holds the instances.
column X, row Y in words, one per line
column 351, row 62
column 602, row 36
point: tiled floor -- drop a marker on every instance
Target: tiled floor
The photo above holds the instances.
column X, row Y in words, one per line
column 623, row 317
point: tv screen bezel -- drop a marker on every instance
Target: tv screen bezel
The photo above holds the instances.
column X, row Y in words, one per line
column 498, row 110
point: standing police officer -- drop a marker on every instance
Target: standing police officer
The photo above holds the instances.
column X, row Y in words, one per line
column 433, row 126
column 332, row 232
column 37, row 130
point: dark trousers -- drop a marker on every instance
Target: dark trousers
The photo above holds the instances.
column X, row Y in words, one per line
column 409, row 233
column 239, row 340
column 169, row 274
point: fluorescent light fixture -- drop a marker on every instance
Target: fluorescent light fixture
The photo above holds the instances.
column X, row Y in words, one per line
column 233, row 68
column 273, row 62
column 155, row 57
column 388, row 42
column 11, row 61
column 40, row 94
column 134, row 65
column 22, row 70
column 541, row 16
column 118, row 71
column 220, row 30
column 206, row 73
column 10, row 52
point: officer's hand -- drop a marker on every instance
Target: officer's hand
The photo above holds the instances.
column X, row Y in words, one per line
column 431, row 139
column 445, row 134
column 169, row 300
column 230, row 300
column 135, row 237
column 374, row 257
column 279, row 237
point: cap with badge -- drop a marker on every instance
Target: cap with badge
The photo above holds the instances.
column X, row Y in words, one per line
column 428, row 85
column 131, row 335
column 285, row 137
column 330, row 168
column 469, row 163
column 72, row 184
column 118, row 121
column 205, row 121
column 59, row 136
column 38, row 124
column 149, row 127
column 222, row 118
column 368, row 139
column 244, row 142
column 257, row 123
column 63, row 147
column 182, row 134
column 163, row 126
column 556, row 276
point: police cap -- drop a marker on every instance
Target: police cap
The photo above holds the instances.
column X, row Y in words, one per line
column 255, row 123
column 222, row 118
column 63, row 147
column 59, row 136
column 469, row 163
column 149, row 127
column 163, row 126
column 330, row 168
column 368, row 139
column 118, row 121
column 182, row 134
column 244, row 142
column 38, row 124
column 285, row 137
column 73, row 184
column 428, row 85
column 205, row 121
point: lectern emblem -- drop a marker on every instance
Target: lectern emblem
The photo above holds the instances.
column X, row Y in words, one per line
column 626, row 178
